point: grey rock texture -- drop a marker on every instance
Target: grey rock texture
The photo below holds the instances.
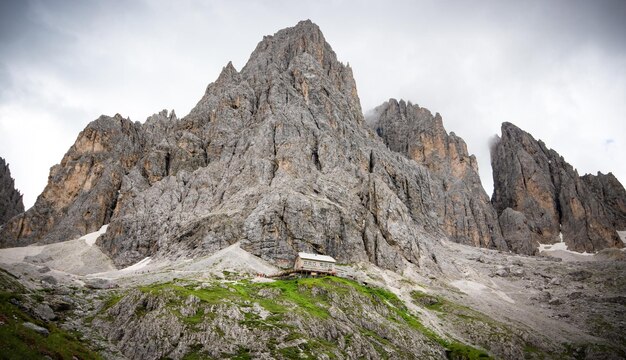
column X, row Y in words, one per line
column 540, row 184
column 82, row 190
column 276, row 156
column 265, row 324
column 461, row 202
column 516, row 231
column 608, row 190
column 10, row 199
column 40, row 330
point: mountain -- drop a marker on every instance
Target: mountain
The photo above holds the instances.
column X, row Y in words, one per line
column 170, row 238
column 279, row 157
column 10, row 199
column 536, row 192
column 83, row 189
column 275, row 156
column 461, row 203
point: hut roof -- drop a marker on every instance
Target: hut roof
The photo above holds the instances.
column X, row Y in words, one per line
column 316, row 257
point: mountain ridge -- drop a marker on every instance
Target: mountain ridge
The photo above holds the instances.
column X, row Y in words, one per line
column 191, row 222
column 278, row 156
column 555, row 202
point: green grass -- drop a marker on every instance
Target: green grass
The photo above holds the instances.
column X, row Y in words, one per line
column 296, row 292
column 294, row 295
column 307, row 297
column 112, row 301
column 19, row 342
column 196, row 353
column 197, row 318
column 242, row 354
column 428, row 301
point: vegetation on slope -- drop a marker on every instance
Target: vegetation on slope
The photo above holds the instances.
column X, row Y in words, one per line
column 20, row 342
column 306, row 318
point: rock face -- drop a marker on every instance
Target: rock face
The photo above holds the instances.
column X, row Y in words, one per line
column 609, row 191
column 516, row 231
column 461, row 202
column 10, row 199
column 172, row 325
column 276, row 156
column 82, row 191
column 538, row 183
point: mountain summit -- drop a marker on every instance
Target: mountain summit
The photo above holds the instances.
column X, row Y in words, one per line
column 545, row 200
column 277, row 157
column 205, row 215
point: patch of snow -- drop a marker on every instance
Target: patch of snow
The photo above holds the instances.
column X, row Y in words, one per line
column 262, row 280
column 468, row 286
column 622, row 236
column 140, row 265
column 91, row 238
column 560, row 246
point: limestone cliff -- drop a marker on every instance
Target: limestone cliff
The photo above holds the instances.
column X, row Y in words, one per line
column 10, row 199
column 609, row 191
column 462, row 204
column 82, row 190
column 275, row 156
column 538, row 183
column 278, row 157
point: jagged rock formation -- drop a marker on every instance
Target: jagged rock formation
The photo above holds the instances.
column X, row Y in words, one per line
column 275, row 156
column 538, row 183
column 609, row 191
column 462, row 204
column 278, row 156
column 82, row 191
column 277, row 329
column 10, row 199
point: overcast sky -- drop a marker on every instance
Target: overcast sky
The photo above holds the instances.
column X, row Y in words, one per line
column 557, row 69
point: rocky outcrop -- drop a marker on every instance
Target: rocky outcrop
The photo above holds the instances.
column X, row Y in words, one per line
column 82, row 190
column 288, row 166
column 275, row 156
column 610, row 192
column 10, row 199
column 462, row 204
column 321, row 323
column 517, row 233
column 555, row 201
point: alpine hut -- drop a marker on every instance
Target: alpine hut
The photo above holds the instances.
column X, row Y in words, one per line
column 314, row 263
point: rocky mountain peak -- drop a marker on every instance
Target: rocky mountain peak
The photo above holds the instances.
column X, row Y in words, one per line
column 550, row 198
column 287, row 44
column 463, row 206
column 228, row 73
column 276, row 157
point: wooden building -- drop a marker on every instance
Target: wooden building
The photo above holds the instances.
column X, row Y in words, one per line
column 314, row 263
